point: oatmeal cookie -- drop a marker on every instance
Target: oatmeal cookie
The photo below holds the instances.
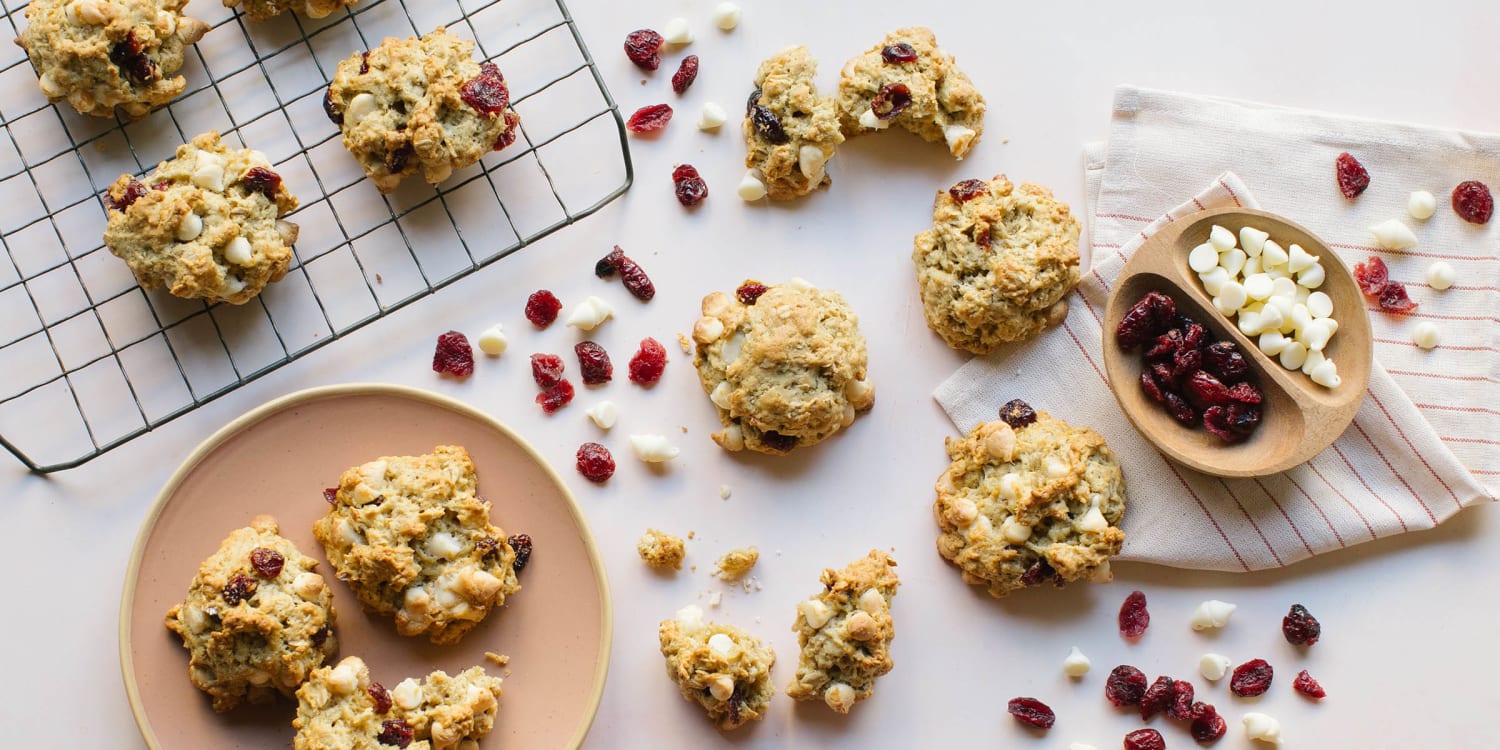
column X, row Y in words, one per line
column 99, row 55
column 736, row 563
column 257, row 619
column 420, row 105
column 997, row 264
column 410, row 535
column 206, row 224
column 908, row 80
column 722, row 668
column 784, row 369
column 341, row 708
column 261, row 10
column 845, row 632
column 661, row 550
column 1022, row 507
column 790, row 131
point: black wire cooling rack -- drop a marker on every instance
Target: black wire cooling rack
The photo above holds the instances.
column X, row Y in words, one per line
column 88, row 354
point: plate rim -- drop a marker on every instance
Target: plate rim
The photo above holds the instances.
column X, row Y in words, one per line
column 281, row 403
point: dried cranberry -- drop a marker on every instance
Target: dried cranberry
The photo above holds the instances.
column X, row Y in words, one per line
column 749, row 292
column 239, row 588
column 134, row 190
column 1031, row 712
column 1204, row 390
column 263, row 181
column 487, row 546
column 453, row 355
column 320, row 636
column 1244, row 418
column 593, row 362
column 1134, row 619
column 686, row 73
column 1017, row 413
column 1393, row 299
column 546, row 370
column 521, row 545
column 1038, row 571
column 381, row 696
column 1181, row 410
column 1208, row 726
column 643, row 47
column 1299, row 626
column 890, row 101
column 968, row 190
column 1145, row 739
column 1186, row 363
column 767, row 125
column 1157, row 698
column 267, row 562
column 635, row 278
column 648, row 363
column 777, row 441
column 161, row 185
column 364, row 62
column 752, row 101
column 331, row 495
column 331, row 108
column 1473, row 203
column 900, row 52
column 1194, row 335
column 982, row 235
column 690, row 187
column 1223, row 360
column 1143, row 321
column 512, row 129
column 1353, row 179
column 649, row 118
column 486, row 92
column 1216, row 421
column 607, row 266
column 1246, row 393
column 1306, row 685
column 395, row 732
column 556, row 397
column 130, row 56
column 1125, row 686
column 1152, row 389
column 1372, row 276
column 542, row 308
column 398, row 158
column 1251, row 678
column 1182, row 701
column 595, row 463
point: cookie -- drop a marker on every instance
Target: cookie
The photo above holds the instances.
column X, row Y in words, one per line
column 412, row 538
column 720, row 667
column 101, row 56
column 736, row 563
column 1023, row 507
column 206, row 224
column 784, row 365
column 341, row 708
column 413, row 106
column 997, row 265
column 661, row 550
column 790, row 131
column 257, row 619
column 908, row 80
column 845, row 632
column 261, row 10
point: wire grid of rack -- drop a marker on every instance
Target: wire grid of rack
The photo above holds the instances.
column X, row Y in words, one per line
column 100, row 362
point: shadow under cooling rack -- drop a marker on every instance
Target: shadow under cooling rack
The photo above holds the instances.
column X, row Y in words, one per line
column 97, row 361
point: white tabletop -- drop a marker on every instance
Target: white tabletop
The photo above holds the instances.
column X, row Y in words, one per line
column 1408, row 652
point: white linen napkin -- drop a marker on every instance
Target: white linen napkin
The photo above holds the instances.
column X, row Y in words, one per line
column 1426, row 441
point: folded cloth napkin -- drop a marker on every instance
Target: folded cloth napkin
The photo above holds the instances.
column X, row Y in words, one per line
column 1426, row 441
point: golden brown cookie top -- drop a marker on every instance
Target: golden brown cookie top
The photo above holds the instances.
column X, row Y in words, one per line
column 908, row 80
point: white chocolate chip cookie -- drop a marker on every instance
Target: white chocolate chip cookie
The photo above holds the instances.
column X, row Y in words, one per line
column 997, row 264
column 785, row 369
column 1022, row 507
column 790, row 131
column 257, row 619
column 413, row 539
column 341, row 708
column 98, row 55
column 206, row 224
column 724, row 669
column 908, row 80
column 845, row 632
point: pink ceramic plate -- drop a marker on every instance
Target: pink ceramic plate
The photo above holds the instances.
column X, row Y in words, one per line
column 277, row 459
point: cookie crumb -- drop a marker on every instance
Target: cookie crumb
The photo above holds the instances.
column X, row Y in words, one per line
column 686, row 344
column 715, row 598
column 724, row 493
column 736, row 563
column 691, row 534
column 660, row 550
column 500, row 660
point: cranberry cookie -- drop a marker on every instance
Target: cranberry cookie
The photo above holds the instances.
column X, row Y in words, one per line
column 206, row 224
column 257, row 620
column 845, row 632
column 720, row 667
column 1037, row 503
column 783, row 364
column 997, row 264
column 341, row 708
column 100, row 55
column 908, row 80
column 790, row 131
column 262, row 10
column 411, row 537
column 422, row 105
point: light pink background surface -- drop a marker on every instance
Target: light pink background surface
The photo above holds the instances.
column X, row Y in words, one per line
column 1408, row 652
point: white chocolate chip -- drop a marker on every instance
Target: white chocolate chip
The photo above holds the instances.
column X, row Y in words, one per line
column 344, row 678
column 588, row 314
column 711, row 116
column 1214, row 280
column 444, row 545
column 1222, row 239
column 1076, row 664
column 492, row 342
column 1213, row 667
column 1271, row 318
column 1293, row 355
column 1056, row 467
column 1203, row 258
column 1314, row 358
column 797, row 282
column 1272, row 255
column 722, row 645
column 715, row 598
column 810, row 161
column 90, row 12
column 1316, row 334
column 1010, row 486
column 751, row 187
column 720, row 394
column 1001, row 444
column 407, row 694
column 1259, row 726
column 238, row 252
column 1326, row 374
column 1421, row 205
column 980, row 529
column 869, row 121
column 1298, row 259
column 1211, row 614
column 677, row 32
column 1426, row 335
column 190, row 227
column 962, row 512
column 1232, row 261
column 1233, row 296
column 815, row 612
column 1093, row 521
column 1259, row 286
column 1252, row 267
column 209, row 175
column 1272, row 343
column 690, row 616
column 1252, row 240
column 360, row 107
column 958, row 138
column 839, row 697
column 872, row 601
column 727, row 16
column 653, row 448
column 1320, row 305
column 234, row 284
column 307, row 584
column 708, row 330
column 721, row 688
column 1284, row 287
column 1014, row 531
column 1311, row 277
column 1440, row 275
column 1393, row 235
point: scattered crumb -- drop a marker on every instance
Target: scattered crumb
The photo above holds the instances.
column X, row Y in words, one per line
column 736, row 563
column 724, row 492
column 379, row 280
column 498, row 659
column 684, row 429
column 685, row 342
column 693, row 568
column 758, row 586
column 715, row 598
column 692, row 533
column 1005, row 140
column 778, row 553
column 661, row 550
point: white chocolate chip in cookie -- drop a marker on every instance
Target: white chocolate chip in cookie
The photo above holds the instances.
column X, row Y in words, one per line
column 868, row 119
column 959, row 139
column 962, row 512
column 190, row 227
column 815, row 612
column 872, row 601
column 1010, row 486
column 209, row 175
column 1093, row 521
column 1001, row 444
column 407, row 694
column 862, row 627
column 344, row 679
column 723, row 645
column 721, row 687
column 707, row 330
column 839, row 697
column 1014, row 531
column 307, row 584
column 238, row 252
column 811, row 161
column 360, row 107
